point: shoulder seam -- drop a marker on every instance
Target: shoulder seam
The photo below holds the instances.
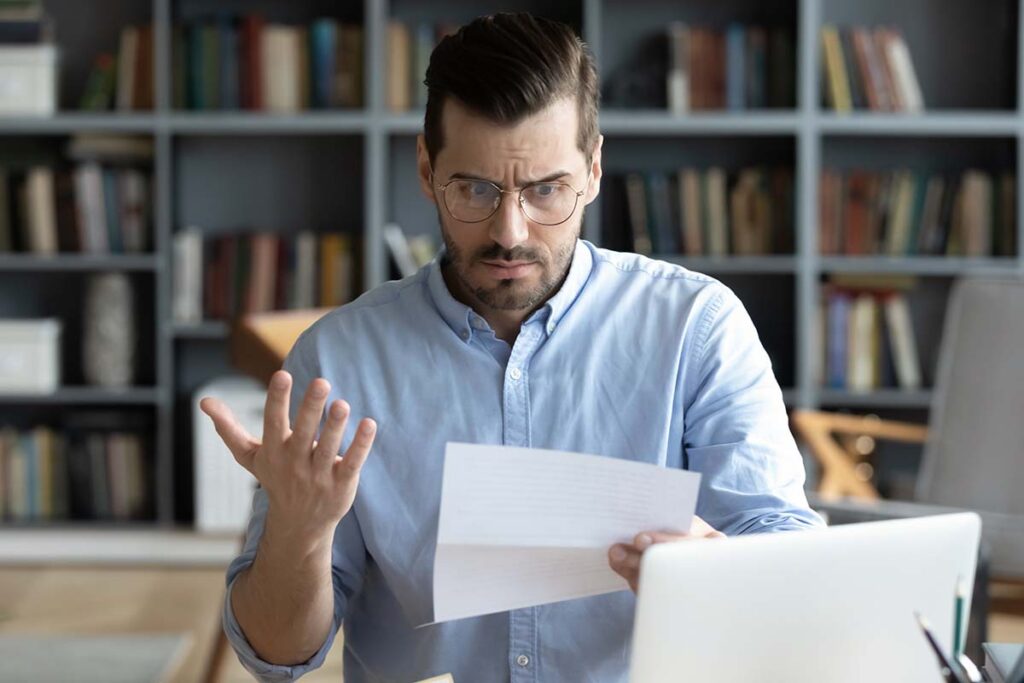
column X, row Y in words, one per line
column 704, row 328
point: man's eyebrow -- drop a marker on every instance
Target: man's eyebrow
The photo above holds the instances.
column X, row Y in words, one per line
column 546, row 179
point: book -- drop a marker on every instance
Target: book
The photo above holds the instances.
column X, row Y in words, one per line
column 187, row 252
column 306, row 274
column 678, row 78
column 901, row 68
column 659, row 211
column 401, row 254
column 281, row 51
column 755, row 78
column 736, row 66
column 690, row 212
column 142, row 91
column 862, row 354
column 902, row 342
column 251, row 58
column 323, row 45
column 41, row 204
column 126, row 64
column 716, row 216
column 398, row 66
column 636, row 200
column 349, row 70
column 229, row 75
column 838, row 89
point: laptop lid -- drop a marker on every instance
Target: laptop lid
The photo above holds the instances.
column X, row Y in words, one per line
column 833, row 604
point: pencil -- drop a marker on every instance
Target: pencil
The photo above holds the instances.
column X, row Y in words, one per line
column 958, row 618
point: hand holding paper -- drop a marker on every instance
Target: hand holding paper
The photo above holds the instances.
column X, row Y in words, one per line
column 521, row 527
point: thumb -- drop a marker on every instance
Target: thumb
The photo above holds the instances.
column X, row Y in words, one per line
column 242, row 445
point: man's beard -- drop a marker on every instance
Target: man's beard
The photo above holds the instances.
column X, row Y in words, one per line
column 510, row 295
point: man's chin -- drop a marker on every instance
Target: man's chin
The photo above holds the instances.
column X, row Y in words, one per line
column 509, row 295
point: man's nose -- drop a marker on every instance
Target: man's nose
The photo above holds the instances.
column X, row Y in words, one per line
column 509, row 226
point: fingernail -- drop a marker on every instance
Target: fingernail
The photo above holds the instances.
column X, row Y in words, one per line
column 280, row 381
column 618, row 554
column 643, row 540
column 319, row 390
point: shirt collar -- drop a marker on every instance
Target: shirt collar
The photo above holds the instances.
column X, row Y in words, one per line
column 460, row 317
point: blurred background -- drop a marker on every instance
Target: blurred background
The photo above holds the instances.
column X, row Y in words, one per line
column 175, row 173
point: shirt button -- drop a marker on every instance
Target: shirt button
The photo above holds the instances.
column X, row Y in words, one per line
column 551, row 328
column 515, row 373
column 523, row 660
column 464, row 334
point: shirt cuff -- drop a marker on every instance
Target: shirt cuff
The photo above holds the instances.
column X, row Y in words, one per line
column 264, row 671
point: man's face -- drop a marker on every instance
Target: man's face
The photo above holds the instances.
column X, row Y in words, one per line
column 509, row 262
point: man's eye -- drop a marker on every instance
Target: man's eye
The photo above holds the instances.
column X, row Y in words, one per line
column 545, row 190
column 480, row 189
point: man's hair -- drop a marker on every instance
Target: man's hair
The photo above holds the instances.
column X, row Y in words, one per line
column 506, row 67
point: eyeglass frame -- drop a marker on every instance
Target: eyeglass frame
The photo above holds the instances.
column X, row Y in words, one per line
column 503, row 192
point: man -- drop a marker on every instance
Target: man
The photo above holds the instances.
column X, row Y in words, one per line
column 519, row 334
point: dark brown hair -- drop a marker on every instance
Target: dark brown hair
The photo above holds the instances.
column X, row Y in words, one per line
column 506, row 67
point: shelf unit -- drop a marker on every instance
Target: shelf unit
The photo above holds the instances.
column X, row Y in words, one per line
column 370, row 153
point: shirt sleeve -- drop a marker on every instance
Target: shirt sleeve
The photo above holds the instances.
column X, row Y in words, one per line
column 348, row 558
column 736, row 431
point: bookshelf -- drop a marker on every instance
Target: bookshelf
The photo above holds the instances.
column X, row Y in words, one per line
column 353, row 170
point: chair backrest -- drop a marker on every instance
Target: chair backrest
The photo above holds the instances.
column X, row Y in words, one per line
column 974, row 456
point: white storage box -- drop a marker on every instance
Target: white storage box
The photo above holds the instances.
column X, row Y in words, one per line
column 30, row 356
column 223, row 488
column 28, row 80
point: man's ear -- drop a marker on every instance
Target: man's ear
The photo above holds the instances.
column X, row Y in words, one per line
column 423, row 168
column 595, row 172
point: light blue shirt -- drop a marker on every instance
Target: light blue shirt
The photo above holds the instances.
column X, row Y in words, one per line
column 632, row 358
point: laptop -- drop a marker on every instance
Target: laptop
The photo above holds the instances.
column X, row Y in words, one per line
column 833, row 604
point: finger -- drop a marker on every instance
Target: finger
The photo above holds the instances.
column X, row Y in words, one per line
column 618, row 560
column 241, row 444
column 350, row 465
column 326, row 450
column 310, row 413
column 625, row 557
column 275, row 411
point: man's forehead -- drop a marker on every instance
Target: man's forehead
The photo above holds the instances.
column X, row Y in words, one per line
column 545, row 140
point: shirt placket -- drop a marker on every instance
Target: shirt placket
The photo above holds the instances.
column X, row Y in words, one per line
column 522, row 623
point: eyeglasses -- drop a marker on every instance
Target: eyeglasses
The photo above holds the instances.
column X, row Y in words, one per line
column 474, row 201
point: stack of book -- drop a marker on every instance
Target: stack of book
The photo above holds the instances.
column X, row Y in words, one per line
column 742, row 67
column 865, row 68
column 24, row 22
column 905, row 212
column 219, row 278
column 409, row 49
column 244, row 62
column 709, row 212
column 98, row 203
column 123, row 82
column 28, row 59
column 51, row 475
column 868, row 333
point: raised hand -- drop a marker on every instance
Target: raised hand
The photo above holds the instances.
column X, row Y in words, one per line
column 309, row 487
